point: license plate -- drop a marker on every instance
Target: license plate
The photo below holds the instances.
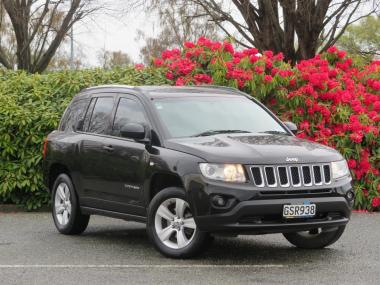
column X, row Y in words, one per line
column 299, row 211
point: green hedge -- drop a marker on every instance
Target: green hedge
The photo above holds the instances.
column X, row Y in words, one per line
column 30, row 108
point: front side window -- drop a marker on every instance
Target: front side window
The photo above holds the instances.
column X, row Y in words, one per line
column 198, row 116
column 128, row 111
column 101, row 115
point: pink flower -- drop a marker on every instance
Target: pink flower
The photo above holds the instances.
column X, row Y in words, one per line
column 227, row 46
column 351, row 163
column 332, row 49
column 259, row 69
column 268, row 53
column 158, row 62
column 341, row 54
column 254, row 58
column 268, row 78
column 180, row 81
column 169, row 75
column 356, row 137
column 189, row 45
column 139, row 66
column 376, row 202
column 202, row 78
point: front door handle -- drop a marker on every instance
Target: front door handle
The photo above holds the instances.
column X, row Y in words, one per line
column 108, row 148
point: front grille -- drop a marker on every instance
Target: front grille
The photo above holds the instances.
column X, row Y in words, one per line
column 306, row 175
column 326, row 173
column 271, row 176
column 291, row 175
column 296, row 179
column 283, row 175
column 257, row 176
column 317, row 175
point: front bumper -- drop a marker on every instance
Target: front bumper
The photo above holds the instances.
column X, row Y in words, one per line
column 250, row 212
column 265, row 216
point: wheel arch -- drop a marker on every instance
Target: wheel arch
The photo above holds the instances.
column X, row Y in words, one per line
column 54, row 171
column 160, row 181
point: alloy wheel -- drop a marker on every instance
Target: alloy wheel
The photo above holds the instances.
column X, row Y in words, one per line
column 174, row 223
column 62, row 204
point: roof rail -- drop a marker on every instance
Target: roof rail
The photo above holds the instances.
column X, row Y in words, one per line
column 110, row 86
column 219, row 87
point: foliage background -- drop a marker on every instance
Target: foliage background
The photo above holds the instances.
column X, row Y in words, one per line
column 333, row 102
column 30, row 108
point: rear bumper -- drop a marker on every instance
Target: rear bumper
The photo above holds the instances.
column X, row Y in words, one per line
column 265, row 216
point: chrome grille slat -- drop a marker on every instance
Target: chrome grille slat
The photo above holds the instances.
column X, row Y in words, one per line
column 293, row 175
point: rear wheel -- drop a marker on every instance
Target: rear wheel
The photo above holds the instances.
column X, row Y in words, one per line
column 67, row 216
column 316, row 238
column 171, row 225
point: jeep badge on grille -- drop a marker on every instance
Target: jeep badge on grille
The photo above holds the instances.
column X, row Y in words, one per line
column 293, row 159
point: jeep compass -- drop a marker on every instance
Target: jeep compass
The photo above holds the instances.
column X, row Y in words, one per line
column 192, row 162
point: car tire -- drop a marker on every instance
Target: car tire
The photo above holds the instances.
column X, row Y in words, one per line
column 171, row 226
column 66, row 212
column 315, row 239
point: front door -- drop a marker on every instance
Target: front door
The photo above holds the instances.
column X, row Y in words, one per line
column 125, row 160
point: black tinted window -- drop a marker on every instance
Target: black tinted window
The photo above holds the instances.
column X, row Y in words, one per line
column 128, row 111
column 73, row 114
column 101, row 115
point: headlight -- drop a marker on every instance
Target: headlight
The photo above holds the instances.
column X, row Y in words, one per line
column 223, row 172
column 339, row 169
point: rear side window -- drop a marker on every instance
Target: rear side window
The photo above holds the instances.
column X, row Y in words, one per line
column 128, row 111
column 73, row 114
column 101, row 116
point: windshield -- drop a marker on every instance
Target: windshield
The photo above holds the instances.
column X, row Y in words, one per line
column 203, row 116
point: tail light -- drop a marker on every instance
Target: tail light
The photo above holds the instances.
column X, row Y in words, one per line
column 45, row 148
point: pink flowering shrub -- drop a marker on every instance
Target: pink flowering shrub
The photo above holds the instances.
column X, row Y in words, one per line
column 332, row 102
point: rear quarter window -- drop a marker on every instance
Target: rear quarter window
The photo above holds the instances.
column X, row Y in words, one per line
column 73, row 114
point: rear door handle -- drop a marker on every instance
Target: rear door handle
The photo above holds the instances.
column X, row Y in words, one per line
column 108, row 148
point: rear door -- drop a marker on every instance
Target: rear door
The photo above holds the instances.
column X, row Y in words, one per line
column 96, row 126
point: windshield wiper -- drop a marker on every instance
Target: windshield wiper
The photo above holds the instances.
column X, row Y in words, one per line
column 274, row 133
column 215, row 132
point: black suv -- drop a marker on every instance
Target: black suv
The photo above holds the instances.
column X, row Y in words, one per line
column 191, row 162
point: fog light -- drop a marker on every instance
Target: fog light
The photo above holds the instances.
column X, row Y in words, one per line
column 350, row 195
column 219, row 201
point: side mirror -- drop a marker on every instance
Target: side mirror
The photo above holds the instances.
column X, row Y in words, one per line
column 133, row 131
column 291, row 126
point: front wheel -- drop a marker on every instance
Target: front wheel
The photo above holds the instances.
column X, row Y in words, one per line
column 171, row 225
column 316, row 238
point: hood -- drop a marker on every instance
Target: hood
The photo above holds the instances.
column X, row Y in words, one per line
column 255, row 149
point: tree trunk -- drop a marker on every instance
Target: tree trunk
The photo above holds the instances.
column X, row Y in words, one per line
column 298, row 32
column 38, row 36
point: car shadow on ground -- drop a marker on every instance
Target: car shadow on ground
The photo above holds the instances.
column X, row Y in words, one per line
column 222, row 250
